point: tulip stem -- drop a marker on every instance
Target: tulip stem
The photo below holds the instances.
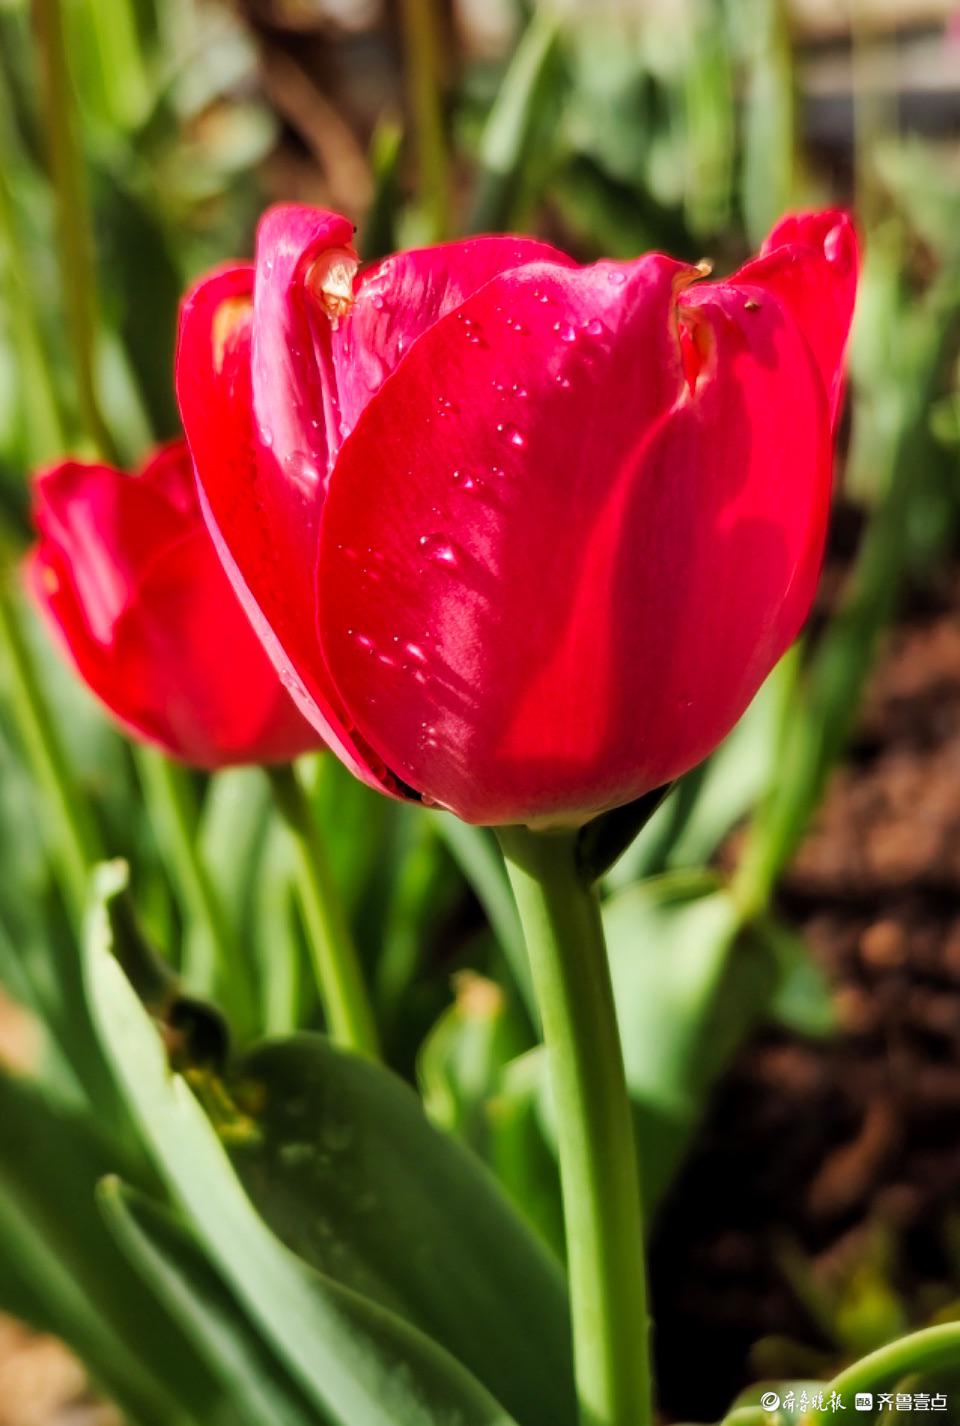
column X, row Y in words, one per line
column 422, row 45
column 74, row 832
column 74, row 225
column 220, row 970
column 350, row 1018
column 599, row 1174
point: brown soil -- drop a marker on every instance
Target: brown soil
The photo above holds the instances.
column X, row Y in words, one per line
column 41, row 1384
column 826, row 1184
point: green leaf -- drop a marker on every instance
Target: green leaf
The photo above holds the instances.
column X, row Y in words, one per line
column 476, row 853
column 254, row 1390
column 358, row 1364
column 518, row 125
column 461, row 1060
column 62, row 1270
column 801, row 1000
column 346, row 1167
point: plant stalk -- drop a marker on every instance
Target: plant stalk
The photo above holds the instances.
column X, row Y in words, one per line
column 599, row 1174
column 421, row 45
column 74, row 224
column 170, row 803
column 350, row 1018
column 74, row 832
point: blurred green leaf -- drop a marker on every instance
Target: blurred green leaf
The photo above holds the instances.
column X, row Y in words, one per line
column 345, row 1166
column 518, row 126
column 248, row 1385
column 768, row 179
column 475, row 851
column 461, row 1060
column 686, row 994
column 61, row 1266
column 354, row 1360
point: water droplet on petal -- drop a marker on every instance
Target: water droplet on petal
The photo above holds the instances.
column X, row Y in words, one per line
column 833, row 244
column 616, row 277
column 562, row 381
column 565, row 332
column 594, row 327
column 439, row 549
column 511, row 434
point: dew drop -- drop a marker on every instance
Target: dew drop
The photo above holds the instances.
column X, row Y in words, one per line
column 520, row 392
column 616, row 277
column 594, row 327
column 301, row 467
column 439, row 549
column 562, row 381
column 565, row 332
column 511, row 434
column 377, row 301
column 833, row 244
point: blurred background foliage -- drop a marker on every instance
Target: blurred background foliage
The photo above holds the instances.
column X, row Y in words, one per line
column 610, row 128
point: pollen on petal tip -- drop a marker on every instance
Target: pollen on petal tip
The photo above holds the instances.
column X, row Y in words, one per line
column 331, row 278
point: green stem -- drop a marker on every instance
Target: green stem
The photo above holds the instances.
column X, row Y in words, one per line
column 174, row 816
column 336, row 965
column 43, row 428
column 931, row 1350
column 423, row 69
column 75, row 835
column 74, row 225
column 560, row 914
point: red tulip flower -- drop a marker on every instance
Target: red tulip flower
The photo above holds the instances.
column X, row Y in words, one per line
column 522, row 537
column 130, row 585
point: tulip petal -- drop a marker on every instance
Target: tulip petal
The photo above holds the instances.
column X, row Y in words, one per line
column 110, row 525
column 203, row 684
column 810, row 263
column 309, row 375
column 433, row 526
column 135, row 595
column 257, row 521
column 315, row 369
column 562, row 584
column 403, row 296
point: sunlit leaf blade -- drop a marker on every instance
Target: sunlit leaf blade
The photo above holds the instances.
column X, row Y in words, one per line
column 254, row 1390
column 358, row 1364
column 345, row 1166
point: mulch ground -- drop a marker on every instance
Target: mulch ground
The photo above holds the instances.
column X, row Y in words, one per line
column 826, row 1184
